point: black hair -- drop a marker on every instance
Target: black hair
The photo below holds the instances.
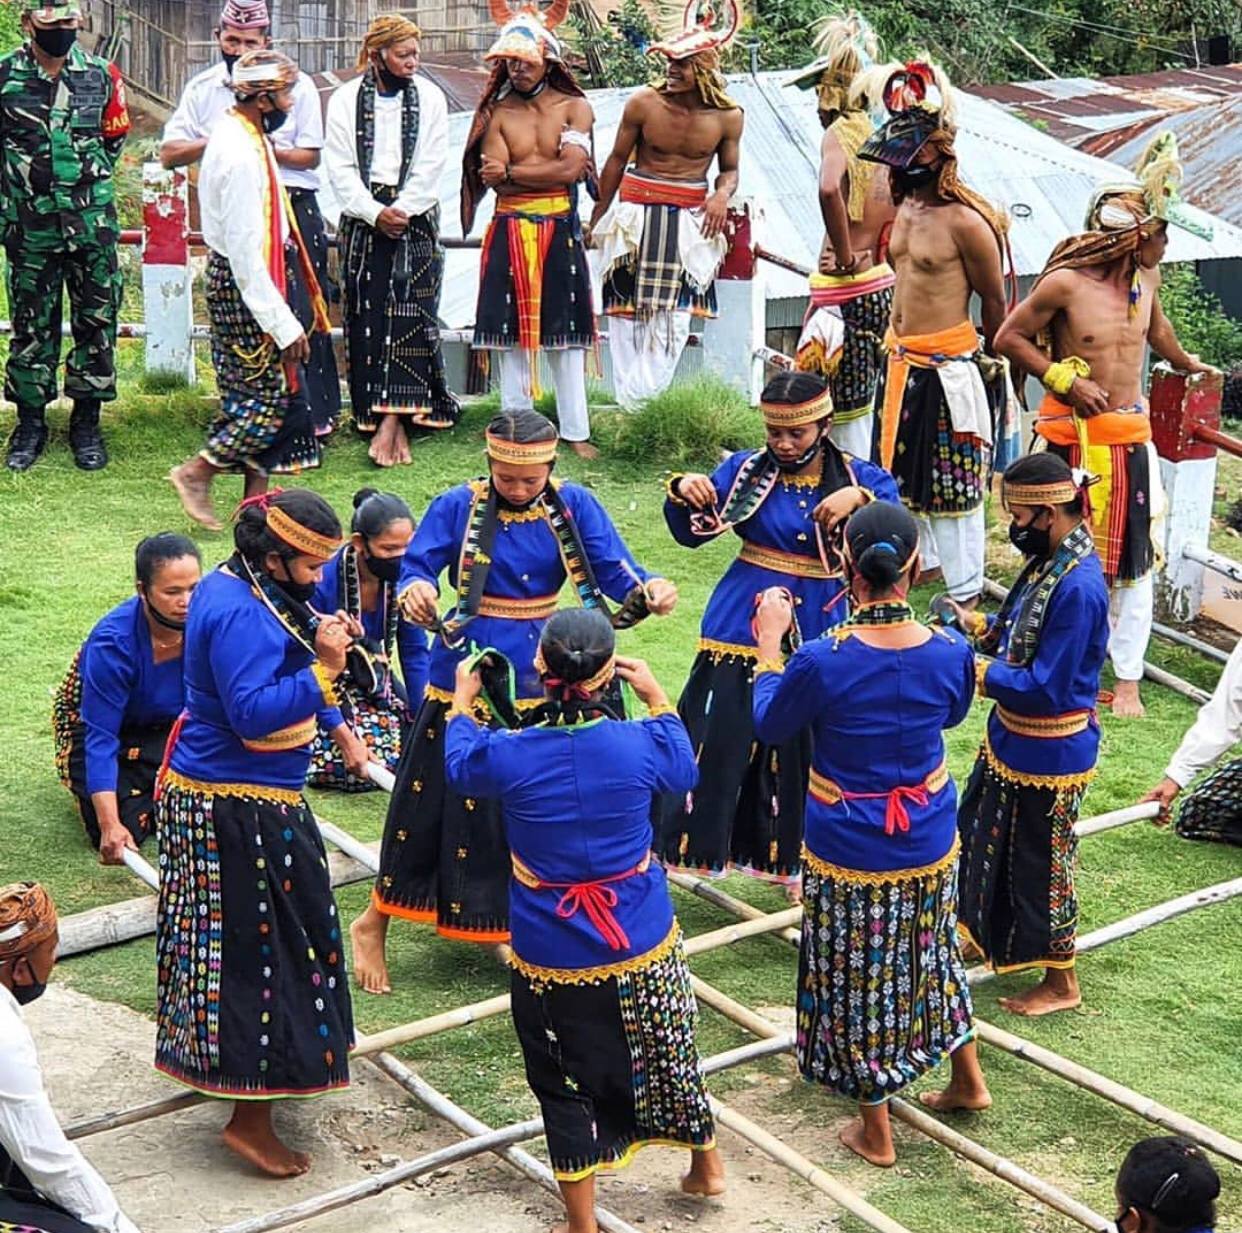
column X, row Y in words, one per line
column 375, row 512
column 575, row 644
column 1045, row 468
column 523, row 426
column 157, row 550
column 882, row 539
column 790, row 387
column 254, row 541
column 1171, row 1178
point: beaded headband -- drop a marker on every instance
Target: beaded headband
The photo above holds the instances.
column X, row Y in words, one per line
column 521, row 453
column 1058, row 492
column 309, row 543
column 794, row 415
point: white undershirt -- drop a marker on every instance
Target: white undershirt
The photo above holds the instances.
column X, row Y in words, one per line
column 386, row 161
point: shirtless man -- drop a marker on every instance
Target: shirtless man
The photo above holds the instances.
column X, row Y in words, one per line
column 531, row 143
column 851, row 295
column 946, row 246
column 659, row 248
column 1094, row 377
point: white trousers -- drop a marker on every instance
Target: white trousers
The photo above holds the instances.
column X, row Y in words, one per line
column 568, row 369
column 645, row 354
column 1129, row 625
column 955, row 545
column 855, row 437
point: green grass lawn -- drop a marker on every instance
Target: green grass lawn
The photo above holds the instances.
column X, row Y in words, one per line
column 1162, row 1008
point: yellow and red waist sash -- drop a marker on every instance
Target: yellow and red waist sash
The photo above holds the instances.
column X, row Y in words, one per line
column 783, row 562
column 596, row 898
column 640, row 189
column 1044, row 727
column 828, row 290
column 896, row 815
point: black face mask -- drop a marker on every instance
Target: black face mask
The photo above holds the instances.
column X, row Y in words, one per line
column 300, row 592
column 230, row 59
column 389, row 82
column 1030, row 540
column 803, row 459
column 160, row 619
column 55, row 41
column 386, row 569
column 912, row 178
column 272, row 120
column 23, row 995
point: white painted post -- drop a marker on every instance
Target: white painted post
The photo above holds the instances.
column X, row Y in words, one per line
column 167, row 281
column 731, row 339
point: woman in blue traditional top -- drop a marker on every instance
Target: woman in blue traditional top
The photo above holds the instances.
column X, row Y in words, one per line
column 882, row 993
column 112, row 713
column 362, row 581
column 508, row 542
column 601, row 992
column 253, row 997
column 786, row 504
column 1166, row 1185
column 1018, row 812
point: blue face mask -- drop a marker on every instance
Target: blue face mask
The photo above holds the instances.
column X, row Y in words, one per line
column 272, row 120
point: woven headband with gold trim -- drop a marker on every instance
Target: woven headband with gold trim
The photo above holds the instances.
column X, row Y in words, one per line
column 905, row 565
column 1058, row 492
column 794, row 415
column 309, row 543
column 521, row 453
column 592, row 683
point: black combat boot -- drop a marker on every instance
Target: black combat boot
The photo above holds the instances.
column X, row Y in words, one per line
column 28, row 439
column 85, row 439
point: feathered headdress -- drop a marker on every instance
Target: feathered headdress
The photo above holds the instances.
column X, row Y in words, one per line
column 526, row 31
column 847, row 46
column 701, row 30
column 1156, row 197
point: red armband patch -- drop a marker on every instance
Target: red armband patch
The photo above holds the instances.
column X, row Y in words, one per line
column 116, row 114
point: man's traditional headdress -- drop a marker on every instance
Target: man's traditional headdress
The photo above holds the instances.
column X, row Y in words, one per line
column 384, row 32
column 847, row 47
column 263, row 72
column 701, row 40
column 526, row 32
column 1121, row 218
column 245, row 14
column 27, row 918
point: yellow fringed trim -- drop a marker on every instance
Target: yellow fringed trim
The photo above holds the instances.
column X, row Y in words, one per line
column 327, row 686
column 1027, row 780
column 622, row 1161
column 799, row 481
column 981, row 676
column 481, row 711
column 726, row 650
column 877, row 877
column 597, row 975
column 665, row 708
column 247, row 791
column 769, row 665
column 454, row 711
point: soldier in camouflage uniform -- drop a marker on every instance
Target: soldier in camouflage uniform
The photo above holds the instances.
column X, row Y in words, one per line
column 63, row 121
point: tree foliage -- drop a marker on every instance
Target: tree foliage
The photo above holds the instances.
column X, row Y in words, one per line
column 1196, row 315
column 10, row 26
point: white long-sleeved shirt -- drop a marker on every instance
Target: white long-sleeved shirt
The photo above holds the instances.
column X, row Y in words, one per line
column 208, row 97
column 421, row 190
column 232, row 196
column 31, row 1135
column 1218, row 726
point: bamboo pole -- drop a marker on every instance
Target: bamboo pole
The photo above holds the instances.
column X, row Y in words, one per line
column 1047, row 1194
column 128, row 1117
column 433, row 1025
column 443, row 1107
column 1103, row 1086
column 714, row 895
column 363, row 853
column 343, row 1196
column 1116, row 817
column 807, row 1170
column 140, row 868
column 763, row 923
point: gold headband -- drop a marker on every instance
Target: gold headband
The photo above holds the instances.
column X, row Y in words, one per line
column 794, row 415
column 592, row 683
column 309, row 543
column 1057, row 492
column 521, row 453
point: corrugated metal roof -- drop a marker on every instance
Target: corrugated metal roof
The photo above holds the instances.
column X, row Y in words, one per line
column 462, row 86
column 1045, row 183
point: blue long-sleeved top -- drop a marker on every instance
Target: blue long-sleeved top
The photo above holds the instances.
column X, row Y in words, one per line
column 877, row 716
column 123, row 687
column 1063, row 678
column 577, row 809
column 526, row 565
column 412, row 647
column 251, row 698
column 782, row 523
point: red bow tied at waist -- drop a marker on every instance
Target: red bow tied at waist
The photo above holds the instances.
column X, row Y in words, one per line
column 896, row 815
column 596, row 898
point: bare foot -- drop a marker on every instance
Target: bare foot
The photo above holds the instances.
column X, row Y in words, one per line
column 854, row 1136
column 969, row 948
column 368, row 934
column 195, row 494
column 378, row 452
column 584, row 449
column 954, row 1098
column 1057, row 991
column 707, row 1176
column 1126, row 701
column 793, row 893
column 265, row 1151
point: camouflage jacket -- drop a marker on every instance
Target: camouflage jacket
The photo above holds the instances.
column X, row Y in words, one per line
column 59, row 139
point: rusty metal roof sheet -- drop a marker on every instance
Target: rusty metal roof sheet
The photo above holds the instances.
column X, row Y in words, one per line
column 462, row 86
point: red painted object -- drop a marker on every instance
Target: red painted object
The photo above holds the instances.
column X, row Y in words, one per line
column 739, row 262
column 165, row 220
column 1181, row 403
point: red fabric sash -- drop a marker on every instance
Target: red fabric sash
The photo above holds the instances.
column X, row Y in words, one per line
column 596, row 898
column 648, row 190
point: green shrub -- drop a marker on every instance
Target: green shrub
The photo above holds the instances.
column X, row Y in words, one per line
column 1202, row 325
column 688, row 424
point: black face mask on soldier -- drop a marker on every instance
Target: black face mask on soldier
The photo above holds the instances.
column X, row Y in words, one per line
column 911, row 178
column 56, row 41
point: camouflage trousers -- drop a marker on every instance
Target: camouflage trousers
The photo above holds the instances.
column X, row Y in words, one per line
column 42, row 266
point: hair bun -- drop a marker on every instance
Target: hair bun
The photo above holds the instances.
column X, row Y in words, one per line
column 364, row 494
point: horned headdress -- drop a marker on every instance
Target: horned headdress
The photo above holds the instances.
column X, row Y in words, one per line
column 526, row 31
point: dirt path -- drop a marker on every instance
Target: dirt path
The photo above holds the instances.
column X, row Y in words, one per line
column 172, row 1175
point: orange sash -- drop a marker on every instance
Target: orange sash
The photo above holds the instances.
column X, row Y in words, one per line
column 917, row 351
column 1056, row 422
